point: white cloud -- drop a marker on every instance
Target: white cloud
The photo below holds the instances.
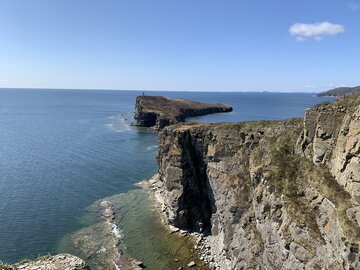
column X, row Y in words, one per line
column 353, row 6
column 317, row 31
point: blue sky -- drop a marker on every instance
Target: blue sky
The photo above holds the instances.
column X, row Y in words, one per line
column 223, row 45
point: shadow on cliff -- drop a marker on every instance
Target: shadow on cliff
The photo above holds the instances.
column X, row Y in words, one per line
column 197, row 201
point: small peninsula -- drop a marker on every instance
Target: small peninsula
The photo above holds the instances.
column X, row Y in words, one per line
column 158, row 112
column 341, row 92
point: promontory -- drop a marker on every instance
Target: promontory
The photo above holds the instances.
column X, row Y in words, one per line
column 158, row 112
column 340, row 92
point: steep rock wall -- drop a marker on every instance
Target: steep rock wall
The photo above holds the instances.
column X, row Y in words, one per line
column 331, row 136
column 261, row 205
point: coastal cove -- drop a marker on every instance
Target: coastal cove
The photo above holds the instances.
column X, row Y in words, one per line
column 64, row 150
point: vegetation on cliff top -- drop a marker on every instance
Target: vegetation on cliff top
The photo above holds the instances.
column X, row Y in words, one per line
column 251, row 125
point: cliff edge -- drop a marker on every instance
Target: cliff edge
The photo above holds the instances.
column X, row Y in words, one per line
column 158, row 111
column 268, row 194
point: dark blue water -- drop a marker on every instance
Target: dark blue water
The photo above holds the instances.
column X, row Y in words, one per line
column 61, row 150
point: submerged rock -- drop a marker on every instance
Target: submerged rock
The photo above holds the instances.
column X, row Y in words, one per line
column 140, row 235
column 101, row 242
column 57, row 262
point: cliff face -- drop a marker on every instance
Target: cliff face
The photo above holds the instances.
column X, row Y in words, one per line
column 264, row 200
column 331, row 136
column 158, row 112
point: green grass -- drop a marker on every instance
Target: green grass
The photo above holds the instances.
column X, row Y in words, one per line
column 332, row 190
column 285, row 166
column 350, row 102
column 289, row 176
column 22, row 261
column 44, row 257
column 4, row 266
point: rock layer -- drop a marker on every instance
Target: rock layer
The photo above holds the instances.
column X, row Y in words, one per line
column 158, row 111
column 264, row 199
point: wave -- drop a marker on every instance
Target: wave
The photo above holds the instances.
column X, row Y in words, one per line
column 151, row 147
column 116, row 232
column 119, row 123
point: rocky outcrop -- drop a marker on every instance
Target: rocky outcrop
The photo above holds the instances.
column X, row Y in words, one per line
column 331, row 136
column 263, row 199
column 321, row 125
column 57, row 262
column 158, row 111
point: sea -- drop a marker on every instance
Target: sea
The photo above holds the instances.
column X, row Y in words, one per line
column 63, row 150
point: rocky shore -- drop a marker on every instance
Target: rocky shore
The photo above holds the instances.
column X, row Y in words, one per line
column 158, row 112
column 202, row 242
column 268, row 194
column 57, row 262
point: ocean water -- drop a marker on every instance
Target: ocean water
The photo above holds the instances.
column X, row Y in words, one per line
column 62, row 150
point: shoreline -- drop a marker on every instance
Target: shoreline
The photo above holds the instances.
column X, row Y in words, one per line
column 206, row 246
column 145, row 241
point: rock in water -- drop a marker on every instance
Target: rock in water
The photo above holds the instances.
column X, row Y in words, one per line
column 158, row 111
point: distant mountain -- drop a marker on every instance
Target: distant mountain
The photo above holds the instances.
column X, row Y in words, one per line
column 341, row 92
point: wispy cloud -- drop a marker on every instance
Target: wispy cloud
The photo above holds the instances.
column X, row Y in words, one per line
column 308, row 87
column 353, row 6
column 317, row 31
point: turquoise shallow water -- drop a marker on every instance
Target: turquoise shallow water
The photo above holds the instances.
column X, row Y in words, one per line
column 61, row 150
column 142, row 236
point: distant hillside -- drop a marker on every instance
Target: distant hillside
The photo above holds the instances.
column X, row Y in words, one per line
column 341, row 92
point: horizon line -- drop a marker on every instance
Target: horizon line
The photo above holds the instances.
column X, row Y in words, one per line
column 152, row 90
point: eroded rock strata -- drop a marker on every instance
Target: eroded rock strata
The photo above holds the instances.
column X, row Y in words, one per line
column 268, row 195
column 158, row 112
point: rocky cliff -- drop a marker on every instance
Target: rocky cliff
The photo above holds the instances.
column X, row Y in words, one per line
column 331, row 137
column 265, row 197
column 158, row 112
